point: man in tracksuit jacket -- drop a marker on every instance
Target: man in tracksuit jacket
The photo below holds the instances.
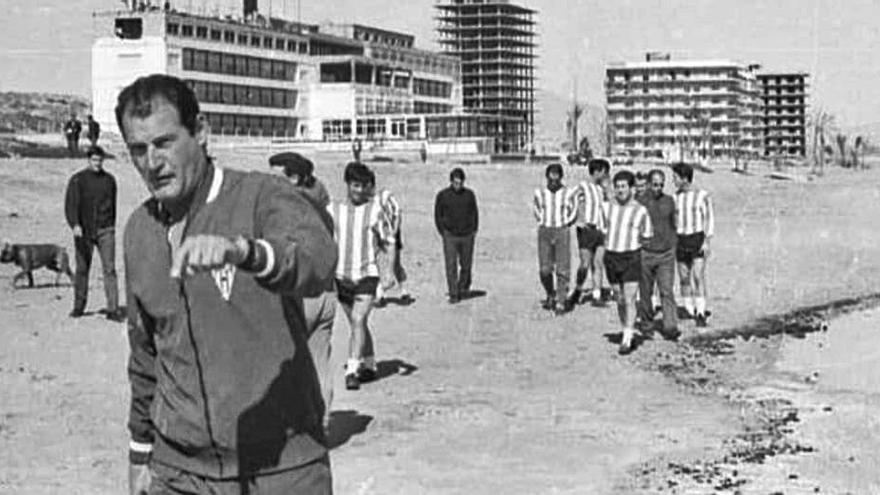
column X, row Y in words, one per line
column 225, row 398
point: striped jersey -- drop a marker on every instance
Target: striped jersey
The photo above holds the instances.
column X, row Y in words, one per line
column 589, row 198
column 554, row 209
column 694, row 213
column 626, row 225
column 391, row 210
column 359, row 231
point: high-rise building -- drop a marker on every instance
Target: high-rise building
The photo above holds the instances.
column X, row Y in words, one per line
column 684, row 109
column 785, row 113
column 259, row 76
column 495, row 41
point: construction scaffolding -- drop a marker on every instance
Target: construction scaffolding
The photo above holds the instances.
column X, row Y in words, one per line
column 495, row 41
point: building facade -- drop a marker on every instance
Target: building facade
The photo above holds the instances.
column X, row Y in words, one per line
column 684, row 109
column 494, row 39
column 784, row 120
column 275, row 78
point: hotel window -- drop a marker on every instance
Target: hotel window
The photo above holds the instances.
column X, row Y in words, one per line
column 172, row 28
column 229, row 36
column 267, row 42
column 255, row 40
column 242, row 39
column 201, row 32
column 186, row 30
column 279, row 43
column 291, row 45
column 303, row 47
column 216, row 34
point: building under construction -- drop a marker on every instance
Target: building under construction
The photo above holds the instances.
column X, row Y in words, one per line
column 785, row 113
column 495, row 41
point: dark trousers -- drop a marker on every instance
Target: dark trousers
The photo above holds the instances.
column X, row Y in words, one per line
column 554, row 256
column 458, row 250
column 658, row 268
column 105, row 241
column 73, row 145
column 313, row 478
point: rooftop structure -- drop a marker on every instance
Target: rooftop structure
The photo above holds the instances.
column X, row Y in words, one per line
column 784, row 119
column 495, row 41
column 684, row 109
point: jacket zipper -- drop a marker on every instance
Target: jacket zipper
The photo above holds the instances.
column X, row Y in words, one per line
column 200, row 370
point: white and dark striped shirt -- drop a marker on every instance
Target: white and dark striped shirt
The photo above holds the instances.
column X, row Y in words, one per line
column 589, row 198
column 554, row 209
column 694, row 213
column 391, row 209
column 359, row 231
column 627, row 225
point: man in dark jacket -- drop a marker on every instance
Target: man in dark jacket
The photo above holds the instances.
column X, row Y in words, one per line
column 72, row 130
column 225, row 398
column 319, row 311
column 93, row 131
column 90, row 208
column 658, row 256
column 457, row 220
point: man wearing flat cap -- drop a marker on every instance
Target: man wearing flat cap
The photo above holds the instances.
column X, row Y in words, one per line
column 90, row 208
column 319, row 309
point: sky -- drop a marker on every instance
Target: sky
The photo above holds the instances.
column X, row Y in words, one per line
column 45, row 44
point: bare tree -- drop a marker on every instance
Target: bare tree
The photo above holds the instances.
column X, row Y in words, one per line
column 821, row 125
column 857, row 149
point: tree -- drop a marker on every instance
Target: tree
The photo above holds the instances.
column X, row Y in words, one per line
column 821, row 124
column 857, row 149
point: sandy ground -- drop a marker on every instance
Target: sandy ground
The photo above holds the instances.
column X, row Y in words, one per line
column 495, row 395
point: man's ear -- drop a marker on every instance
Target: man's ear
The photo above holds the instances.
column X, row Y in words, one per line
column 202, row 129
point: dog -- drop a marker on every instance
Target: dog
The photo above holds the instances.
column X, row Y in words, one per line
column 30, row 257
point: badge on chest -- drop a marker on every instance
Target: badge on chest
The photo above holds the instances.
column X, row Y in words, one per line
column 223, row 279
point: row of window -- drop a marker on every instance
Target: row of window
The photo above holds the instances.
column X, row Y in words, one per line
column 238, row 65
column 426, row 63
column 236, row 37
column 425, row 107
column 250, row 125
column 239, row 94
column 428, row 87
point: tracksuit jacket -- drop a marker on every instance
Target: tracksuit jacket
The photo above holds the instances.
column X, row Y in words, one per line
column 222, row 384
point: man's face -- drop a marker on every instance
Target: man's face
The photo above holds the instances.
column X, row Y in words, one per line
column 622, row 191
column 96, row 162
column 170, row 159
column 641, row 186
column 680, row 182
column 553, row 178
column 657, row 183
column 358, row 192
column 457, row 184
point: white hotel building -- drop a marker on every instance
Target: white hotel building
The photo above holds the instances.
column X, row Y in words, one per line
column 684, row 109
column 276, row 78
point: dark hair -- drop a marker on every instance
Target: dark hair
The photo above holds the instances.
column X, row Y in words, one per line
column 598, row 165
column 137, row 98
column 358, row 172
column 641, row 176
column 553, row 167
column 624, row 175
column 457, row 173
column 684, row 171
column 656, row 171
column 96, row 151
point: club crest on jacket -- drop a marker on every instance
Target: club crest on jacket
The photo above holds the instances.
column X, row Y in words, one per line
column 223, row 278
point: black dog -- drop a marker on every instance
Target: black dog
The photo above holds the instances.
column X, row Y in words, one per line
column 29, row 257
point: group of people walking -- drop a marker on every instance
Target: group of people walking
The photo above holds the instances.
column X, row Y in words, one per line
column 631, row 235
column 233, row 280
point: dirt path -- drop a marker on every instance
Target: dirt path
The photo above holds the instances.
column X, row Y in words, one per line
column 493, row 395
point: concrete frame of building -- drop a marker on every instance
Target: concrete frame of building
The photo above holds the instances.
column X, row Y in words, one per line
column 684, row 110
column 495, row 41
column 784, row 97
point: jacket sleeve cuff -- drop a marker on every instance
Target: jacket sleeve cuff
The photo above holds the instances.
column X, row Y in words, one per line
column 261, row 259
column 139, row 453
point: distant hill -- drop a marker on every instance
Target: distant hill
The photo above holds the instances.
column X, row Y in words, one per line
column 551, row 114
column 38, row 112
